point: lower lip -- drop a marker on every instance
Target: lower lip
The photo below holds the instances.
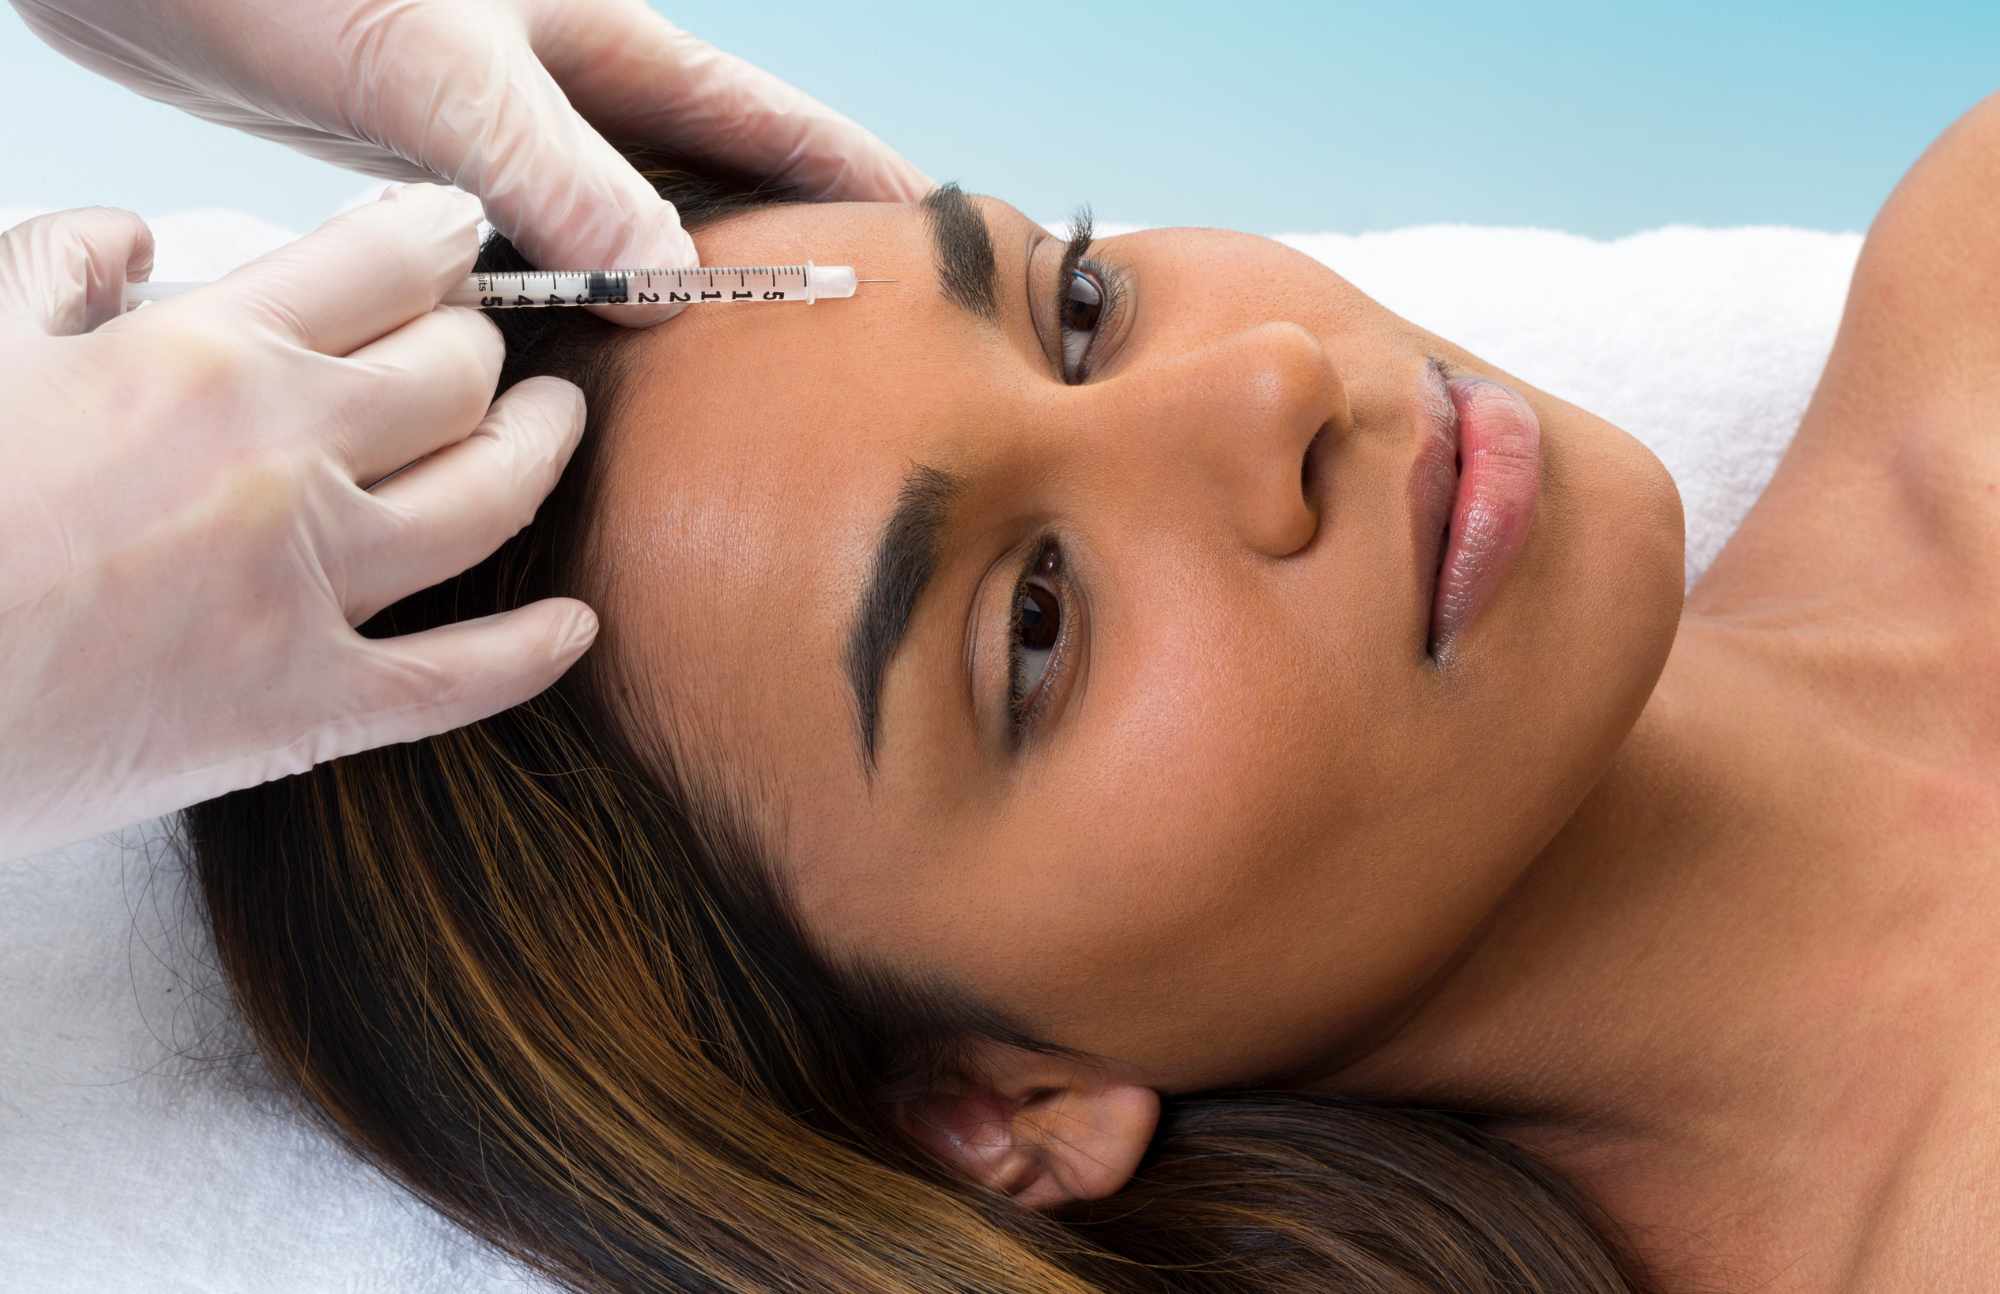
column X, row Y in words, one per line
column 1499, row 479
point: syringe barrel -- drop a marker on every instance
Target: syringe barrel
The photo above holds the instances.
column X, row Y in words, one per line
column 491, row 290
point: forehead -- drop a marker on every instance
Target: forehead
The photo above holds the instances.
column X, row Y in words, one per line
column 753, row 455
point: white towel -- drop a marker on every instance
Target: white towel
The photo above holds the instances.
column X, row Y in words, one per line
column 129, row 1162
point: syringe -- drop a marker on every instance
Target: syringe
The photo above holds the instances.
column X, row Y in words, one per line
column 701, row 284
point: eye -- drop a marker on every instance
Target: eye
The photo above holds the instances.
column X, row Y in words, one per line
column 1082, row 308
column 1035, row 635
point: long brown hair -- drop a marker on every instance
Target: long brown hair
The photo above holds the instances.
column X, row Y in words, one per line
column 547, row 981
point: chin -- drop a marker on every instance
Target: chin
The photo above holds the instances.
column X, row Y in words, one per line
column 1604, row 572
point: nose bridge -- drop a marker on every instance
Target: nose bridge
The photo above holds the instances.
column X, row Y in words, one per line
column 1226, row 427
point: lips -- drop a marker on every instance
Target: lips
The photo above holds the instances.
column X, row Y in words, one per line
column 1433, row 488
column 1471, row 520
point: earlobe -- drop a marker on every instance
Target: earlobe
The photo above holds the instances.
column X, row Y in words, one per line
column 1090, row 1141
column 1046, row 1148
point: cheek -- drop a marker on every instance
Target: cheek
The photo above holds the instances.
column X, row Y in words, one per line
column 1217, row 767
column 1230, row 821
column 1187, row 818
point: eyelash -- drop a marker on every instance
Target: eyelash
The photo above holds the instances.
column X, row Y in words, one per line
column 1022, row 713
column 1110, row 288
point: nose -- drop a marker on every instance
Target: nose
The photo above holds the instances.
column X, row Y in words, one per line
column 1241, row 415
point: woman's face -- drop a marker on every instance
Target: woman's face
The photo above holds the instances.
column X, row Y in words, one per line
column 1230, row 815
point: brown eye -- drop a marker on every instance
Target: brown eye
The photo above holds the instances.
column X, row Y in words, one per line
column 1082, row 308
column 1037, row 630
column 1041, row 618
column 1082, row 303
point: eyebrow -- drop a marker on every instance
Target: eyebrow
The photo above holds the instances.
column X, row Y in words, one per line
column 906, row 557
column 908, row 550
column 962, row 249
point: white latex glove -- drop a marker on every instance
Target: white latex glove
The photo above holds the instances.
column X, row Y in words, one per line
column 186, row 532
column 504, row 98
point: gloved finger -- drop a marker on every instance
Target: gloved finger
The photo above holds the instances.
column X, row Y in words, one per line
column 639, row 77
column 421, row 387
column 360, row 275
column 553, row 185
column 453, row 509
column 65, row 273
column 444, row 678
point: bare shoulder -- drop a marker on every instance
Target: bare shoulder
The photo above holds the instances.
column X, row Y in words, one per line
column 1891, row 486
column 1923, row 310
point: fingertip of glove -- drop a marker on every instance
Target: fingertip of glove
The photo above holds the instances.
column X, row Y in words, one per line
column 562, row 404
column 917, row 185
column 440, row 202
column 573, row 404
column 582, row 631
column 658, row 242
column 560, row 399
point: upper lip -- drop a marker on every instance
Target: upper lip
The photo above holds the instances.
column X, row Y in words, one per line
column 1433, row 483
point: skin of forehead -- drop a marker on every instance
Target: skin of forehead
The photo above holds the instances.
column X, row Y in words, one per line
column 737, row 521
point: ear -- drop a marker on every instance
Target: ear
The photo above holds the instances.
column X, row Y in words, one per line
column 1068, row 1139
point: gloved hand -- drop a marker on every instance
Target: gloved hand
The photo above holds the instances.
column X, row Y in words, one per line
column 186, row 529
column 486, row 94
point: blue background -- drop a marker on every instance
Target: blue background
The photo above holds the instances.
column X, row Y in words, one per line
column 1272, row 117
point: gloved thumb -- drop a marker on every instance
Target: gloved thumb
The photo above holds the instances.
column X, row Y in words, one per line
column 65, row 273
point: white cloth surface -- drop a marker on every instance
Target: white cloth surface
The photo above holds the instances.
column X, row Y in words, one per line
column 134, row 1155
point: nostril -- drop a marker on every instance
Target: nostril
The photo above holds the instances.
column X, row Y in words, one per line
column 1309, row 470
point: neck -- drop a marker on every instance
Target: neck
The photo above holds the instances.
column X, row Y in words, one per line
column 1699, row 1003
